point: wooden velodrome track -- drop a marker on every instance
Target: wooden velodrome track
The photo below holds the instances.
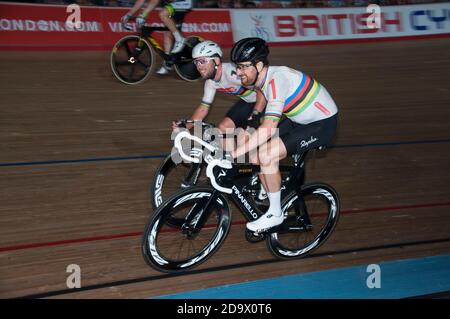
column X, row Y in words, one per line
column 74, row 179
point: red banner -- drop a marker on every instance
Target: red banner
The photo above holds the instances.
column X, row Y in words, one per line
column 44, row 26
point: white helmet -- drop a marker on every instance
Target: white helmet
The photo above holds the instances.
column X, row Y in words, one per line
column 206, row 48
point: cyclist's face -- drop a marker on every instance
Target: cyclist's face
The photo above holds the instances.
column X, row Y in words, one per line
column 246, row 71
column 205, row 66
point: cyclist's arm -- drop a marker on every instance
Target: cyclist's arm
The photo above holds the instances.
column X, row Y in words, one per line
column 268, row 128
column 137, row 5
column 202, row 110
column 264, row 132
column 150, row 6
column 260, row 102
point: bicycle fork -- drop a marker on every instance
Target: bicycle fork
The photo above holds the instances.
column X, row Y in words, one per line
column 192, row 176
column 197, row 216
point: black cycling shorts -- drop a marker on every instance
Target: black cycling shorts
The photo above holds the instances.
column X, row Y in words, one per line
column 240, row 112
column 298, row 138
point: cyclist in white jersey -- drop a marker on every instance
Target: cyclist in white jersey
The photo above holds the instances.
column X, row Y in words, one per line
column 310, row 119
column 222, row 77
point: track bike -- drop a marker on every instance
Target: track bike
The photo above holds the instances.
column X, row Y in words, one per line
column 170, row 176
column 133, row 58
column 190, row 226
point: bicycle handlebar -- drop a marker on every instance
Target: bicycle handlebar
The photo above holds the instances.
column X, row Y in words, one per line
column 194, row 138
column 211, row 161
column 183, row 122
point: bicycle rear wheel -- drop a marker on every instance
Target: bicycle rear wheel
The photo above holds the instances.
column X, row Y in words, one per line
column 309, row 221
column 186, row 68
column 176, row 247
column 132, row 59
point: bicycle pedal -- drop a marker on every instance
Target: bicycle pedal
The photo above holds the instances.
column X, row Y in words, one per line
column 252, row 237
column 272, row 230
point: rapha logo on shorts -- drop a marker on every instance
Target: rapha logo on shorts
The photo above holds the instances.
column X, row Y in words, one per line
column 304, row 143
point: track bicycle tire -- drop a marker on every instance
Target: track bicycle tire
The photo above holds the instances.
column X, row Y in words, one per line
column 162, row 242
column 324, row 218
column 126, row 66
column 186, row 70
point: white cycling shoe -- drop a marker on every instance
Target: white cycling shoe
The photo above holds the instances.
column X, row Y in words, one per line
column 178, row 46
column 163, row 71
column 265, row 222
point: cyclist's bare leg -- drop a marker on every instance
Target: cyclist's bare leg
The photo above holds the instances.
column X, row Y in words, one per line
column 227, row 126
column 269, row 156
column 168, row 21
column 252, row 157
column 170, row 24
column 241, row 139
column 168, row 41
column 150, row 6
column 168, row 44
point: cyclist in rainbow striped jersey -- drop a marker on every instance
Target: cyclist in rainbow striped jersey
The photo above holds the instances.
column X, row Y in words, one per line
column 309, row 121
column 222, row 77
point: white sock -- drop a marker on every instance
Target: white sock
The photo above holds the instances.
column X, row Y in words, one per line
column 275, row 204
column 177, row 36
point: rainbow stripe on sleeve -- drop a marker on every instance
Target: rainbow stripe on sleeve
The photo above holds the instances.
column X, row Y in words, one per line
column 205, row 104
column 272, row 115
column 302, row 97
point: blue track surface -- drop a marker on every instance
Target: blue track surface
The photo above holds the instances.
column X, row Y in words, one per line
column 398, row 279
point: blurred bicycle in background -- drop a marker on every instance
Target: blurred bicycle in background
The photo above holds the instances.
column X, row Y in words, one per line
column 133, row 58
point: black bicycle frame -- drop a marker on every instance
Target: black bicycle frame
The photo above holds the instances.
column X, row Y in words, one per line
column 146, row 32
column 245, row 171
column 238, row 194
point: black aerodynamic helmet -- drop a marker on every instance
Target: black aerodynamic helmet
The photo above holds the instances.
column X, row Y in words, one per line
column 249, row 49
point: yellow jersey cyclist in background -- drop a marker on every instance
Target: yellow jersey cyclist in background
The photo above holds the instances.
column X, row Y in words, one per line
column 172, row 12
column 310, row 119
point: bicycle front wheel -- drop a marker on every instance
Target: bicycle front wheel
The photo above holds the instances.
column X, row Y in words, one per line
column 171, row 177
column 170, row 246
column 309, row 222
column 132, row 59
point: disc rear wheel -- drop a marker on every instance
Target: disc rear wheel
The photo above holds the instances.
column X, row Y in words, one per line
column 132, row 59
column 185, row 68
